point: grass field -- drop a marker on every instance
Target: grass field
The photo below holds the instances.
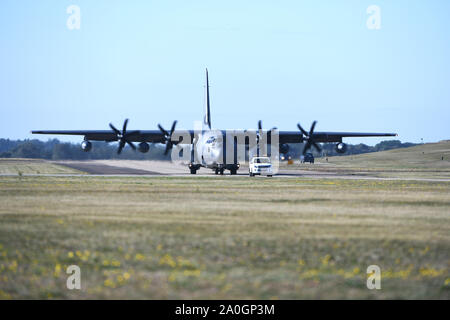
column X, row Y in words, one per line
column 425, row 156
column 429, row 161
column 31, row 166
column 223, row 237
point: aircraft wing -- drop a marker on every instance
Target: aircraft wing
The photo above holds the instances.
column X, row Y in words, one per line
column 296, row 136
column 156, row 136
column 153, row 136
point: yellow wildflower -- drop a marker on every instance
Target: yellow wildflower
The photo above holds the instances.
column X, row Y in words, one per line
column 109, row 283
column 139, row 257
column 115, row 263
column 325, row 260
column 57, row 270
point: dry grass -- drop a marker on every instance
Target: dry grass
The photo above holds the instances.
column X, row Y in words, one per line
column 33, row 166
column 427, row 161
column 223, row 237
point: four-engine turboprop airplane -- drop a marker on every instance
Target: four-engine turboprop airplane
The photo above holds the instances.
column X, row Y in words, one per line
column 208, row 146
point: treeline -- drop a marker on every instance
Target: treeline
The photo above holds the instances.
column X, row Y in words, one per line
column 56, row 150
column 329, row 149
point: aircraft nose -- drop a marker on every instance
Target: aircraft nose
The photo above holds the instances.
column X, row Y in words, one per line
column 218, row 153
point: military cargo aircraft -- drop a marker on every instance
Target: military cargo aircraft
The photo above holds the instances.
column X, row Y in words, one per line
column 208, row 146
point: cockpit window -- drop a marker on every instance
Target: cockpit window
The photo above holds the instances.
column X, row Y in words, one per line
column 262, row 160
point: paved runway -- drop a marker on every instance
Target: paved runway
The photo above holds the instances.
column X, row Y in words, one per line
column 137, row 167
column 103, row 169
column 130, row 168
column 167, row 168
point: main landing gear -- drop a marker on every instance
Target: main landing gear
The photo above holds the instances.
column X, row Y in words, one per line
column 233, row 169
column 193, row 168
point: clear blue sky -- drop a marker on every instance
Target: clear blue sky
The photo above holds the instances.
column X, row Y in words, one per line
column 280, row 61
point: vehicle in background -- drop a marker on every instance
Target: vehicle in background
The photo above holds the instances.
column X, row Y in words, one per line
column 286, row 157
column 308, row 157
column 260, row 166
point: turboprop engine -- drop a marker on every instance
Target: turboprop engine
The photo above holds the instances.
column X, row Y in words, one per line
column 86, row 146
column 341, row 147
column 143, row 147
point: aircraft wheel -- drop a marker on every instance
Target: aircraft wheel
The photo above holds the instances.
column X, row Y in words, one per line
column 193, row 171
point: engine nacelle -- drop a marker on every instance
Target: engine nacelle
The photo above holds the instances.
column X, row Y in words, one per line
column 341, row 147
column 143, row 147
column 284, row 148
column 86, row 146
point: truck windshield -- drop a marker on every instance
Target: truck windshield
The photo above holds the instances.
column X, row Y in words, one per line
column 262, row 160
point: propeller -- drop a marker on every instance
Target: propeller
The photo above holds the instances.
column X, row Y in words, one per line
column 257, row 133
column 168, row 136
column 308, row 136
column 260, row 128
column 123, row 137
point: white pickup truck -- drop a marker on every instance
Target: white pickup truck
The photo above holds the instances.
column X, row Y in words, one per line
column 260, row 166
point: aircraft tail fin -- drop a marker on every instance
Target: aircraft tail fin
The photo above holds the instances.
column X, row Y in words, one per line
column 207, row 118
